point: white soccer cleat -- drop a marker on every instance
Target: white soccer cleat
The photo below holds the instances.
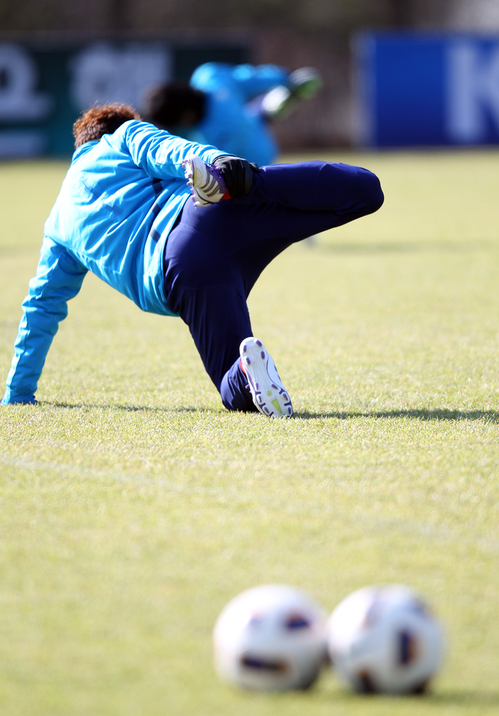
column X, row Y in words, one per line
column 282, row 100
column 206, row 181
column 305, row 82
column 268, row 393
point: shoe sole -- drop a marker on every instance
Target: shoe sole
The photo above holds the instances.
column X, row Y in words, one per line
column 268, row 393
column 209, row 194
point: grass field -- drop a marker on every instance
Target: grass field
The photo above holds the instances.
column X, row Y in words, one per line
column 133, row 506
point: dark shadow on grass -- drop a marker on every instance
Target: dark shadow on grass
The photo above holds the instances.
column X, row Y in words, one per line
column 406, row 248
column 465, row 699
column 124, row 408
column 459, row 699
column 490, row 416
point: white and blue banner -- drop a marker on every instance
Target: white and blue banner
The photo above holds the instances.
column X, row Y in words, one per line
column 427, row 89
column 45, row 86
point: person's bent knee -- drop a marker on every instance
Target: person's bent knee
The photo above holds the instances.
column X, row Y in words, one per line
column 373, row 193
column 378, row 197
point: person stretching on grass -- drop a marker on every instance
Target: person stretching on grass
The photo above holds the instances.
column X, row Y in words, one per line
column 125, row 213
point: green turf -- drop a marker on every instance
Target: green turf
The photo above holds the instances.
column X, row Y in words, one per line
column 133, row 506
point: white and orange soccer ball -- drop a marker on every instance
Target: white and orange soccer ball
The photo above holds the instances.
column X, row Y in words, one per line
column 272, row 638
column 385, row 640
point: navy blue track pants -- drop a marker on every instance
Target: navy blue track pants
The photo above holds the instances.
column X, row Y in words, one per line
column 215, row 254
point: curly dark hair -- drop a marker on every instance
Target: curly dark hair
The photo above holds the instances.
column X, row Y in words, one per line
column 97, row 121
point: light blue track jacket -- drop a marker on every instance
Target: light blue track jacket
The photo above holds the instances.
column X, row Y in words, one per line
column 116, row 207
column 229, row 122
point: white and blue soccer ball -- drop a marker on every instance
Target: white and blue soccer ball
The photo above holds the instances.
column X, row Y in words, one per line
column 385, row 639
column 272, row 638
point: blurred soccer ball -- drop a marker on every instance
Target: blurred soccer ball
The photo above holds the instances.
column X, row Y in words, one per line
column 270, row 637
column 386, row 640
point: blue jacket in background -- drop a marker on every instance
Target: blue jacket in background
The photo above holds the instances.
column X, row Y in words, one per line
column 117, row 205
column 231, row 122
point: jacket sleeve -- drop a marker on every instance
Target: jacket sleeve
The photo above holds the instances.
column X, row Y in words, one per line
column 159, row 153
column 255, row 80
column 58, row 278
column 247, row 80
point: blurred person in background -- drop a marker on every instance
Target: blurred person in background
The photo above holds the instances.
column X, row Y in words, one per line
column 231, row 107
